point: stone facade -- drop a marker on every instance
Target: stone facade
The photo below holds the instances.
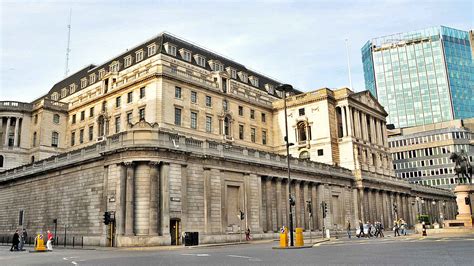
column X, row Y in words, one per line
column 171, row 143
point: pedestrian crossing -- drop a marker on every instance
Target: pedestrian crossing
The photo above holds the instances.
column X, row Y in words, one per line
column 391, row 240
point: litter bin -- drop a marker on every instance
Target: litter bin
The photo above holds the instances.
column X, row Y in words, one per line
column 191, row 238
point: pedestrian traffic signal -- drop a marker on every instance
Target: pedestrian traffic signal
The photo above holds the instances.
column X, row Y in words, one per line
column 292, row 201
column 106, row 218
column 467, row 200
column 242, row 215
column 394, row 207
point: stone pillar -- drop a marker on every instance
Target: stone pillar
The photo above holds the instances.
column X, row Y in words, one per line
column 320, row 196
column 129, row 201
column 380, row 206
column 268, row 198
column 165, row 199
column 343, row 116
column 362, row 205
column 356, row 204
column 285, row 203
column 316, row 207
column 299, row 218
column 17, row 132
column 279, row 200
column 350, row 122
column 154, row 198
column 7, row 131
column 386, row 219
column 384, row 134
column 120, row 204
column 358, row 124
column 306, row 212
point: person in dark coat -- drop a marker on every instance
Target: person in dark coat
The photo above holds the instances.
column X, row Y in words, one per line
column 23, row 237
column 15, row 241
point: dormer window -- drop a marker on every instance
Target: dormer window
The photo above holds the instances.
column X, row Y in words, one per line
column 114, row 67
column 185, row 54
column 139, row 56
column 170, row 49
column 92, row 78
column 72, row 88
column 54, row 96
column 101, row 73
column 232, row 72
column 83, row 83
column 63, row 92
column 151, row 49
column 200, row 60
column 270, row 88
column 216, row 65
column 243, row 77
column 127, row 61
column 254, row 81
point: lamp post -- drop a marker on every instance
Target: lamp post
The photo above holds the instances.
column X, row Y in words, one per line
column 418, row 208
column 287, row 88
column 433, row 212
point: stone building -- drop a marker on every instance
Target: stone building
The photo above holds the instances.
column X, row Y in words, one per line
column 421, row 154
column 172, row 137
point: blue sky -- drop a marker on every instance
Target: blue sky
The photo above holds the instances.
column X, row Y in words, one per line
column 297, row 42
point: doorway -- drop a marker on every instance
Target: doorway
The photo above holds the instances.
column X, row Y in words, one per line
column 175, row 232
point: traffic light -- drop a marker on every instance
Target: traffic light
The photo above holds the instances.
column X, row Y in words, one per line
column 324, row 206
column 467, row 200
column 292, row 201
column 106, row 218
column 395, row 207
column 242, row 215
column 310, row 208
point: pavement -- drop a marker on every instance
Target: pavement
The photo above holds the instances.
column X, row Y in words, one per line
column 405, row 250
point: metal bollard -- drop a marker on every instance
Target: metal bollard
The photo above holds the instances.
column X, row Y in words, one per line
column 73, row 242
column 82, row 242
column 299, row 237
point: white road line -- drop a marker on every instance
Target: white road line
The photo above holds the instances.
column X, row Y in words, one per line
column 73, row 262
column 197, row 255
column 64, row 258
column 238, row 256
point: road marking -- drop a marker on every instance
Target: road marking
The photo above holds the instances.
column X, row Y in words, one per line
column 73, row 262
column 238, row 256
column 197, row 255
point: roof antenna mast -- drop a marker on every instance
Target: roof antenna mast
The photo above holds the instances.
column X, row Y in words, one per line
column 66, row 71
column 348, row 63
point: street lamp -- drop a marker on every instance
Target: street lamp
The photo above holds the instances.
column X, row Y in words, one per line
column 287, row 88
column 433, row 212
column 418, row 208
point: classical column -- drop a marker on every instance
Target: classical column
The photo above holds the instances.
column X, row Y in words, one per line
column 356, row 206
column 298, row 204
column 129, row 201
column 268, row 198
column 358, row 124
column 305, row 199
column 285, row 203
column 367, row 205
column 384, row 134
column 380, row 206
column 17, row 131
column 7, row 131
column 320, row 195
column 165, row 199
column 350, row 122
column 154, row 198
column 120, row 212
column 343, row 116
column 279, row 208
column 316, row 208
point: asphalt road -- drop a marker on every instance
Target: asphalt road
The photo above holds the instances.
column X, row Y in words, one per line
column 457, row 250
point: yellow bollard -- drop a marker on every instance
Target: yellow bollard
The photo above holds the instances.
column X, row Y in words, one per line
column 299, row 237
column 39, row 243
column 283, row 237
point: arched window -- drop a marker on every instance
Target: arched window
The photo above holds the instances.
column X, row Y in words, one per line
column 1, row 160
column 301, row 126
column 56, row 118
column 55, row 139
column 304, row 155
column 34, row 139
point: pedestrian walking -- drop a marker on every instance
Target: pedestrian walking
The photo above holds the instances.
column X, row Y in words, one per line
column 403, row 226
column 381, row 229
column 348, row 229
column 396, row 228
column 49, row 244
column 23, row 237
column 361, row 229
column 247, row 234
column 15, row 241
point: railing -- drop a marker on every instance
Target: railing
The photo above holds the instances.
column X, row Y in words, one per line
column 15, row 106
column 190, row 77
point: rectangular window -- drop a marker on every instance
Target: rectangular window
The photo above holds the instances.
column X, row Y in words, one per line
column 83, row 115
column 172, row 50
column 91, row 78
column 117, row 124
column 241, row 131
column 130, row 97
column 127, row 61
column 301, row 111
column 193, row 120
column 151, row 49
column 142, row 92
column 55, row 139
column 141, row 113
column 241, row 110
column 21, row 218
column 193, row 97
column 177, row 116
column 264, row 137
column 187, row 56
column 91, row 133
column 73, row 119
column 129, row 118
column 264, row 118
column 252, row 114
column 208, row 101
column 252, row 134
column 177, row 92
column 91, row 112
column 118, row 101
column 73, row 138
column 320, row 152
column 208, row 124
column 83, row 83
column 81, row 136
column 138, row 56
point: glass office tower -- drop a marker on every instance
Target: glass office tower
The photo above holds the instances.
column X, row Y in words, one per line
column 421, row 77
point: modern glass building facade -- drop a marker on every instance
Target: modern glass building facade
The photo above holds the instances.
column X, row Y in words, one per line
column 421, row 77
